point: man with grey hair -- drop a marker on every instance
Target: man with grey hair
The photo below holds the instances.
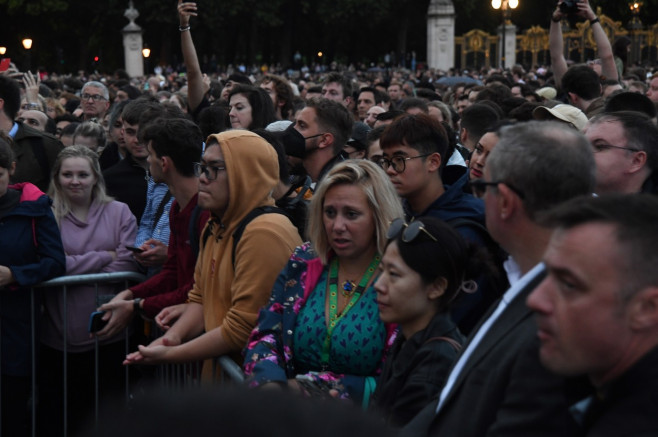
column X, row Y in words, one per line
column 597, row 310
column 497, row 385
column 94, row 100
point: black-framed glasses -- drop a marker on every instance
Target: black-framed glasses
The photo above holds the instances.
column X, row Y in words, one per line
column 209, row 171
column 479, row 187
column 410, row 231
column 94, row 97
column 399, row 163
column 596, row 148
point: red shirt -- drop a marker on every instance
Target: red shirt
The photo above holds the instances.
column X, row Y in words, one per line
column 171, row 284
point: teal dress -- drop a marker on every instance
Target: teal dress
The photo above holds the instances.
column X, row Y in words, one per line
column 356, row 341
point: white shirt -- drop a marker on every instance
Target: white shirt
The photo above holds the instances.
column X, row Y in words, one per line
column 507, row 298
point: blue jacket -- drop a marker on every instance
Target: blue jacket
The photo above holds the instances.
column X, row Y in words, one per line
column 31, row 246
column 455, row 204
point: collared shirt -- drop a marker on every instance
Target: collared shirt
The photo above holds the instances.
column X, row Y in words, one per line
column 507, row 298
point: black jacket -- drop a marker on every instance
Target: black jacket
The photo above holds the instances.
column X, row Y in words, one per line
column 415, row 370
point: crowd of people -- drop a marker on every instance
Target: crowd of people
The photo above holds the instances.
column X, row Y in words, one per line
column 466, row 260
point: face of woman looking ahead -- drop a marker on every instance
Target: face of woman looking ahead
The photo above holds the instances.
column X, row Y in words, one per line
column 240, row 111
column 77, row 180
column 349, row 222
column 402, row 296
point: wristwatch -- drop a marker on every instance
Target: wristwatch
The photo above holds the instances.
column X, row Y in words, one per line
column 137, row 309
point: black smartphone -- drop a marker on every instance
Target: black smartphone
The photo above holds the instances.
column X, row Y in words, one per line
column 96, row 322
column 135, row 249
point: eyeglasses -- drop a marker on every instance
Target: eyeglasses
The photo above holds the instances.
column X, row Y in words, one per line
column 479, row 187
column 399, row 163
column 602, row 147
column 209, row 171
column 94, row 97
column 410, row 231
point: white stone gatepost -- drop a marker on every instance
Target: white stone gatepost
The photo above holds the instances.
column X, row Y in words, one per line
column 132, row 43
column 507, row 43
column 441, row 34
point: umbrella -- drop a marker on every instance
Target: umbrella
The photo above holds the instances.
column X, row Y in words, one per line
column 452, row 80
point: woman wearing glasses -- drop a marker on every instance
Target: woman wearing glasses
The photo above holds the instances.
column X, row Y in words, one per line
column 424, row 268
column 321, row 332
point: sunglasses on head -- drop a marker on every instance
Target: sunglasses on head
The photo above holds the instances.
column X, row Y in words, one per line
column 410, row 231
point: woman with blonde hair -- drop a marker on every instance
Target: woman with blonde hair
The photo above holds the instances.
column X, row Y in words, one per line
column 95, row 231
column 321, row 332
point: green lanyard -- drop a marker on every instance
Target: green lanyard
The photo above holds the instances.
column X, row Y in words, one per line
column 334, row 317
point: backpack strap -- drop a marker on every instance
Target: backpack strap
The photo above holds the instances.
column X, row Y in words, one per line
column 237, row 234
column 161, row 207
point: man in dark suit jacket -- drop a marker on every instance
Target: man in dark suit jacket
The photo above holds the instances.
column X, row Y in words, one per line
column 498, row 386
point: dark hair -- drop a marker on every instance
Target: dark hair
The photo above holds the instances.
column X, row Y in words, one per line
column 477, row 118
column 69, row 129
column 333, row 117
column 132, row 92
column 10, row 92
column 377, row 95
column 391, row 114
column 582, row 81
column 262, row 108
column 213, row 120
column 634, row 218
column 413, row 102
column 420, row 132
column 177, row 138
column 449, row 257
column 494, row 92
column 7, row 156
column 141, row 111
column 629, row 101
column 231, row 409
column 283, row 93
column 342, row 80
column 273, row 139
column 375, row 134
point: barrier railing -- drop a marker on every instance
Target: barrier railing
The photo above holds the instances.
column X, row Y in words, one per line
column 167, row 376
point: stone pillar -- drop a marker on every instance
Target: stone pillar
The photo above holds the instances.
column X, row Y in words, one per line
column 132, row 44
column 507, row 43
column 441, row 34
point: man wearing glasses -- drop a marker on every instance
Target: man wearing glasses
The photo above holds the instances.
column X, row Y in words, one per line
column 498, row 386
column 237, row 173
column 414, row 147
column 94, row 100
column 625, row 146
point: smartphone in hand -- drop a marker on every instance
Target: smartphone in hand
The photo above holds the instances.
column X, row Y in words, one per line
column 96, row 322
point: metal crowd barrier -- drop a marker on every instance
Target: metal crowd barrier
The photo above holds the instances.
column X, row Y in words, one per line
column 168, row 376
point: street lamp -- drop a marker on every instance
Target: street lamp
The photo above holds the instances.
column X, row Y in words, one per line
column 635, row 26
column 505, row 5
column 3, row 50
column 146, row 52
column 27, row 44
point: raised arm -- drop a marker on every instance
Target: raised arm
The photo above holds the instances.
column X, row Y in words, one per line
column 604, row 48
column 556, row 46
column 196, row 89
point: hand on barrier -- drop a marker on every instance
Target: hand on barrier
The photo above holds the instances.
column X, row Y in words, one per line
column 155, row 353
